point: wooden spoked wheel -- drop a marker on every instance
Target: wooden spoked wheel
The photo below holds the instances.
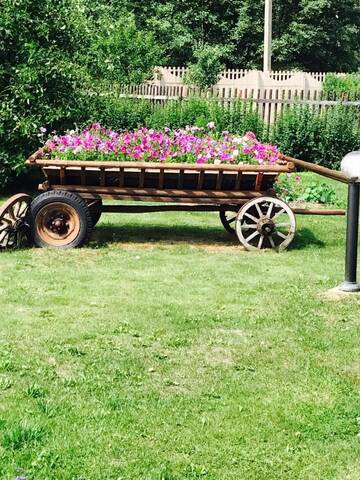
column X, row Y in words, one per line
column 228, row 219
column 58, row 224
column 14, row 221
column 265, row 222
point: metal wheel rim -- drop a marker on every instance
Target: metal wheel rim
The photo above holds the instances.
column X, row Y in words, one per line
column 13, row 215
column 57, row 224
column 259, row 224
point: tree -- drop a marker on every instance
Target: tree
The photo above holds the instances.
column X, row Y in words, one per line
column 50, row 51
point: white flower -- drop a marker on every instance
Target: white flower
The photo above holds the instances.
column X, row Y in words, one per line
column 211, row 125
column 235, row 153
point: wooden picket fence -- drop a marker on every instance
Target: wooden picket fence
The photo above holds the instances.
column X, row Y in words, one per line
column 268, row 103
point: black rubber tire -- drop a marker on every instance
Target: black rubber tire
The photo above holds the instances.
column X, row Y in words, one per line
column 95, row 211
column 69, row 198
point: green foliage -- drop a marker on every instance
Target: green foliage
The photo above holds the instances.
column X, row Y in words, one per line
column 119, row 113
column 51, row 52
column 342, row 86
column 122, row 53
column 319, row 193
column 292, row 188
column 205, row 71
column 319, row 137
column 236, row 118
column 312, row 34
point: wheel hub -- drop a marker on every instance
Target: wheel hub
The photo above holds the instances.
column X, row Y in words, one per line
column 265, row 226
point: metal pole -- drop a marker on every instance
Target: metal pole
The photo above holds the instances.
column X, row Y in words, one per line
column 268, row 36
column 352, row 234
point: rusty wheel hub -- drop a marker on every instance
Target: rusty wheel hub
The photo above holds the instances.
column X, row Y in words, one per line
column 265, row 226
column 58, row 224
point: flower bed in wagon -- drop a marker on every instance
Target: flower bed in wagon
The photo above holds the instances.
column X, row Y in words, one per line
column 189, row 145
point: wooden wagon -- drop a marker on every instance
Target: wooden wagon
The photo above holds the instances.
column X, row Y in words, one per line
column 71, row 202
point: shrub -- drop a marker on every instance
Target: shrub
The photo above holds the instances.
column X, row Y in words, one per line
column 319, row 137
column 205, row 71
column 238, row 117
column 342, row 86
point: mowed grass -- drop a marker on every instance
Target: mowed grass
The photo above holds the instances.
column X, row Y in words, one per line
column 163, row 351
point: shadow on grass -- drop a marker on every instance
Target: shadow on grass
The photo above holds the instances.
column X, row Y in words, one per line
column 305, row 238
column 105, row 234
column 196, row 235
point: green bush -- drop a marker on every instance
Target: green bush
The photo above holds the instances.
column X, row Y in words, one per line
column 238, row 117
column 53, row 55
column 318, row 137
column 119, row 113
column 342, row 86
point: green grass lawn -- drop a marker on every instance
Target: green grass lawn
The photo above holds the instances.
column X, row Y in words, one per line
column 163, row 351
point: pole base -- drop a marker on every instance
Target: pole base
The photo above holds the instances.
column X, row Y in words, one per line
column 350, row 287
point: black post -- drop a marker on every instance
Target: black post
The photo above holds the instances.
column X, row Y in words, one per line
column 352, row 233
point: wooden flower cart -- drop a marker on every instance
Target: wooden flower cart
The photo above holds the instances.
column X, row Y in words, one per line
column 71, row 202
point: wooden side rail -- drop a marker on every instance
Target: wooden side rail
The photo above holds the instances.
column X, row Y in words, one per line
column 286, row 167
column 312, row 167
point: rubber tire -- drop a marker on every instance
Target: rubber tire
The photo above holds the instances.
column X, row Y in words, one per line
column 68, row 198
column 96, row 211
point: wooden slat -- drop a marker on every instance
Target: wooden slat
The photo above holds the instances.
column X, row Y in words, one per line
column 142, row 178
column 154, row 192
column 219, row 180
column 238, row 181
column 200, row 180
column 83, row 176
column 163, row 208
column 161, row 179
column 259, row 182
column 164, row 166
column 181, row 179
column 121, row 177
column 102, row 177
column 62, row 175
column 185, row 200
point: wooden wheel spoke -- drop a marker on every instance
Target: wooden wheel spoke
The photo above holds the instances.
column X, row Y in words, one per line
column 246, row 226
column 253, row 235
column 270, row 209
column 3, row 227
column 251, row 217
column 284, row 224
column 7, row 220
column 260, row 243
column 232, row 220
column 277, row 214
column 258, row 210
column 3, row 235
column 23, row 208
column 271, row 240
column 280, row 234
column 11, row 212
